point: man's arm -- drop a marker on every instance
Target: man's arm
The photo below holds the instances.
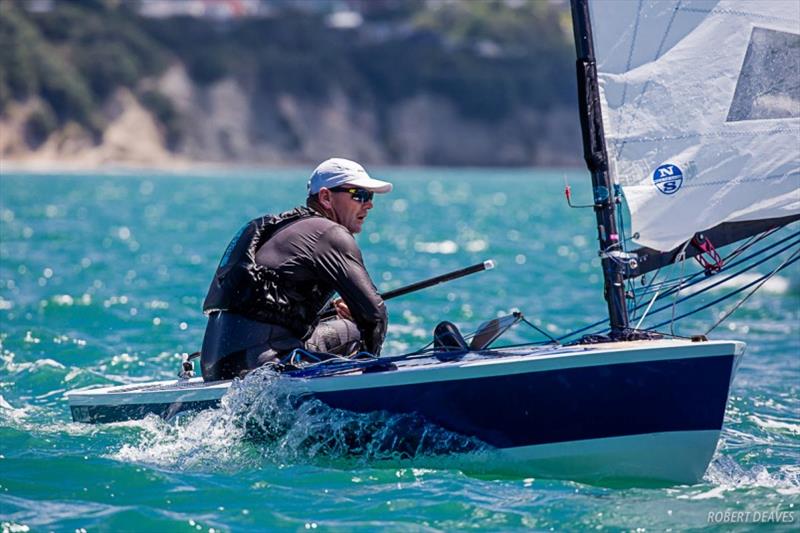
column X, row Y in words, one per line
column 340, row 262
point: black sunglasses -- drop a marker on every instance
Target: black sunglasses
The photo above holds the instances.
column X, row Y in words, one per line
column 359, row 195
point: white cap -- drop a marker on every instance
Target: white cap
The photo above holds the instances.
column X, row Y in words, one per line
column 336, row 172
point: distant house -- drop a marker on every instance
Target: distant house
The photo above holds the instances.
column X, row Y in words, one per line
column 342, row 13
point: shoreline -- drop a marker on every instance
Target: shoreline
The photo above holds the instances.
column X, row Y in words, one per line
column 73, row 167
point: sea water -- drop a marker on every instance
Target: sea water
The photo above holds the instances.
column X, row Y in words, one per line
column 102, row 278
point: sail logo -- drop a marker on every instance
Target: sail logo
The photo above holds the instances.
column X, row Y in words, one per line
column 668, row 178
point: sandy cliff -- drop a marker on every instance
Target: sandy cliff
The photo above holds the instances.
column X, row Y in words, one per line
column 131, row 137
column 228, row 122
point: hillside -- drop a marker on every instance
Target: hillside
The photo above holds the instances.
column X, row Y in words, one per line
column 93, row 82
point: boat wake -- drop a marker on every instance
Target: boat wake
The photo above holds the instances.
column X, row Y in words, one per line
column 725, row 474
column 264, row 418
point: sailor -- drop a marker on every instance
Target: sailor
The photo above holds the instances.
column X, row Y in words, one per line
column 279, row 271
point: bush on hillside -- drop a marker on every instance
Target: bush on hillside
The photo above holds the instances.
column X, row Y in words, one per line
column 163, row 109
column 487, row 57
column 40, row 124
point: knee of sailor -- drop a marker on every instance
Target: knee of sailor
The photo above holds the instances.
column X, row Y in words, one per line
column 334, row 336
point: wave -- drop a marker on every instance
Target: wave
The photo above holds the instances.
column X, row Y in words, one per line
column 264, row 418
column 725, row 474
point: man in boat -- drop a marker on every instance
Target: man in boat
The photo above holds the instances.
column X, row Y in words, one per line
column 279, row 271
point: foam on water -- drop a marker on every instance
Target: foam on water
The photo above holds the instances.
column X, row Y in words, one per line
column 264, row 418
column 203, row 441
column 725, row 474
column 770, row 422
column 9, row 412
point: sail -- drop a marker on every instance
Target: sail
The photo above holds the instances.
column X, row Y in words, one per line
column 701, row 111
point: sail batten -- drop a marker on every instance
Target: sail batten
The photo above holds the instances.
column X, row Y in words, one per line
column 700, row 104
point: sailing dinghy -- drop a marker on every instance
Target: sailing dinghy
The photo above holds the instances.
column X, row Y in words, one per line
column 690, row 113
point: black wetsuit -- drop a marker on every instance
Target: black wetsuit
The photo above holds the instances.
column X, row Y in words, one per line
column 307, row 260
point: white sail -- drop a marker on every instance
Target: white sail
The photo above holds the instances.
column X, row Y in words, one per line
column 701, row 111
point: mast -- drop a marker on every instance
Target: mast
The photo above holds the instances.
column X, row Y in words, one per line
column 596, row 156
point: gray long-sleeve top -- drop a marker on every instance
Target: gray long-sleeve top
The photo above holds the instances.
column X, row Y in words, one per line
column 319, row 251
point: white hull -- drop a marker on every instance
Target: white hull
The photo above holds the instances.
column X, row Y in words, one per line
column 677, row 457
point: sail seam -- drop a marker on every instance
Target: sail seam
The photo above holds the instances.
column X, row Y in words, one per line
column 742, row 180
column 713, row 134
column 748, row 179
column 622, row 140
column 630, row 49
column 723, row 11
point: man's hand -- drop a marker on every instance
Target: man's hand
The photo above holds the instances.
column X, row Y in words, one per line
column 341, row 309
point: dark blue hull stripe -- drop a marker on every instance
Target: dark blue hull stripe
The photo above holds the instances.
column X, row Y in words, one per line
column 563, row 405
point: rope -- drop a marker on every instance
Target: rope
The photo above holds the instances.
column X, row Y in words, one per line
column 752, row 242
column 730, row 266
column 543, row 332
column 682, row 256
column 723, row 280
column 646, row 290
column 725, row 297
column 719, row 282
column 695, row 279
column 743, row 300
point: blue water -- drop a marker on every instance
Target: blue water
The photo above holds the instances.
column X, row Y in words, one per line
column 101, row 281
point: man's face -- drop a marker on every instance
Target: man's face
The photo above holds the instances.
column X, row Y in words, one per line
column 349, row 212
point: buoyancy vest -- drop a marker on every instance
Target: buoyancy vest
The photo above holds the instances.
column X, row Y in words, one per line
column 242, row 286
